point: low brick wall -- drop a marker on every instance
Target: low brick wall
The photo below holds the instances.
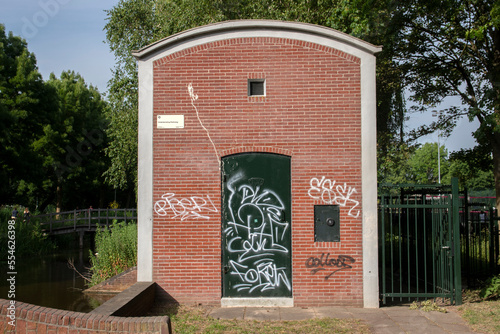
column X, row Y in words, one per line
column 29, row 318
column 115, row 284
column 137, row 300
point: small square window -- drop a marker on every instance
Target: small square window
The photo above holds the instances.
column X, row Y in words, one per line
column 256, row 87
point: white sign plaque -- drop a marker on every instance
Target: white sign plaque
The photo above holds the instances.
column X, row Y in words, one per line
column 170, row 122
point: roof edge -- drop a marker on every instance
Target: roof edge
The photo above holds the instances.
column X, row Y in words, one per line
column 231, row 26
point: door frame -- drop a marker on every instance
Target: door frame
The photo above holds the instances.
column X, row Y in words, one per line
column 227, row 192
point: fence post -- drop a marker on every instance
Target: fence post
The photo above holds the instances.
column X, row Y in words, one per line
column 456, row 241
column 497, row 238
column 491, row 244
column 467, row 227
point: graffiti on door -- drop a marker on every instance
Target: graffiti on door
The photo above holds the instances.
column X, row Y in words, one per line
column 254, row 234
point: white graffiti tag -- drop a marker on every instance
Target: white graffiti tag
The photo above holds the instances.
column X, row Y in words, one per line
column 329, row 192
column 264, row 276
column 194, row 207
column 255, row 232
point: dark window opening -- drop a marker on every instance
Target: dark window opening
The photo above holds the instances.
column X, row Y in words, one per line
column 256, row 87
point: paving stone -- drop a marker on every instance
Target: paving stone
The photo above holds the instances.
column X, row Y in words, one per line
column 386, row 329
column 296, row 313
column 450, row 317
column 228, row 313
column 390, row 320
column 333, row 312
column 262, row 313
column 455, row 328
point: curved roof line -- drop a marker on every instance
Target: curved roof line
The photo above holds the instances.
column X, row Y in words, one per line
column 280, row 27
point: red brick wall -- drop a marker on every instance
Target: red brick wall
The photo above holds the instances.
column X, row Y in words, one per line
column 311, row 112
column 28, row 318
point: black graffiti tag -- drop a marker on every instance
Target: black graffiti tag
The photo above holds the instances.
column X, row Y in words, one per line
column 319, row 263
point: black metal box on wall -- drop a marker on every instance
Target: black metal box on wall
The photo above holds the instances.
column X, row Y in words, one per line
column 326, row 223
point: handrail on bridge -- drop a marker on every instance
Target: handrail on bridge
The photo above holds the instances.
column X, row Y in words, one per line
column 84, row 217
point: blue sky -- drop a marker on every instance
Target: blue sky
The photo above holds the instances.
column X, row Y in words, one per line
column 63, row 35
column 69, row 35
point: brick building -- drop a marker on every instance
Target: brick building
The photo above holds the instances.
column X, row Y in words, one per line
column 257, row 166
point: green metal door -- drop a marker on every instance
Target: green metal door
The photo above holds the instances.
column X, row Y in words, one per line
column 256, row 225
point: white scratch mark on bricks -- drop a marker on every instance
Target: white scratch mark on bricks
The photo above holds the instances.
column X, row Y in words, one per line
column 194, row 97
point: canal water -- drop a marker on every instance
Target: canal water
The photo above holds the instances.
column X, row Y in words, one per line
column 50, row 282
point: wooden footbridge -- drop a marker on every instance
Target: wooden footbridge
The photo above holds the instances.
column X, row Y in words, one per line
column 81, row 221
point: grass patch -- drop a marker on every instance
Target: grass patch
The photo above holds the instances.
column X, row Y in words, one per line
column 187, row 320
column 481, row 315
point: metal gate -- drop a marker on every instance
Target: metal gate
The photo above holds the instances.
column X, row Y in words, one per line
column 479, row 239
column 419, row 238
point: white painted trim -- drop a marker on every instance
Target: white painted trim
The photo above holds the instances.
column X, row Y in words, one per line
column 257, row 302
column 145, row 174
column 256, row 28
column 369, row 182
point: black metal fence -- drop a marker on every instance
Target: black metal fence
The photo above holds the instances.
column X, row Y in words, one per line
column 419, row 243
column 432, row 238
column 479, row 239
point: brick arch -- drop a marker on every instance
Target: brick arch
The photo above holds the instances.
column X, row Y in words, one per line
column 256, row 40
column 255, row 149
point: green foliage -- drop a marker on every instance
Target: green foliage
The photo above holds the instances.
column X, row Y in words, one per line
column 451, row 49
column 424, row 164
column 491, row 288
column 29, row 239
column 393, row 164
column 116, row 251
column 411, row 165
column 474, row 168
column 52, row 133
column 25, row 103
column 72, row 145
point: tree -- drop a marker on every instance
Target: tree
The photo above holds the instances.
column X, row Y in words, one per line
column 133, row 24
column 424, row 166
column 452, row 48
column 473, row 167
column 72, row 144
column 25, row 103
column 51, row 133
column 394, row 164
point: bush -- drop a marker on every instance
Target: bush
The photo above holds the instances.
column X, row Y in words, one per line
column 116, row 251
column 492, row 288
column 29, row 238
